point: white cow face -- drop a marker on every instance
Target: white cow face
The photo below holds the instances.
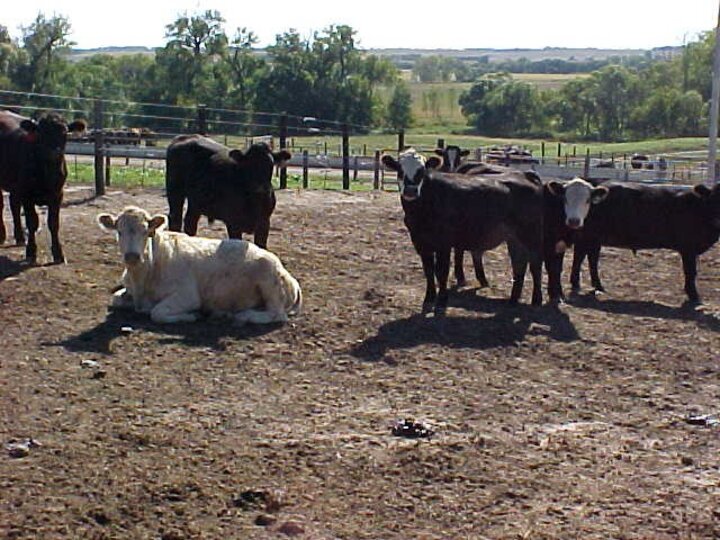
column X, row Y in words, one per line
column 577, row 195
column 412, row 166
column 133, row 226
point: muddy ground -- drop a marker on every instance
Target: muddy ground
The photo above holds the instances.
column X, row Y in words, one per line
column 569, row 423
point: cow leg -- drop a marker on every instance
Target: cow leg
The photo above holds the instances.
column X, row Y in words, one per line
column 54, row 226
column 479, row 268
column 519, row 261
column 192, row 217
column 594, row 260
column 442, row 271
column 31, row 220
column 122, row 299
column 262, row 231
column 177, row 307
column 459, row 270
column 176, row 203
column 690, row 269
column 18, row 231
column 428, row 262
column 553, row 265
column 536, row 273
column 233, row 231
column 579, row 254
column 3, row 232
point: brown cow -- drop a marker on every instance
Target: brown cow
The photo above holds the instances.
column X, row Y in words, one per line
column 33, row 171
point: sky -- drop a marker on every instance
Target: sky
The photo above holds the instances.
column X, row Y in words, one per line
column 461, row 24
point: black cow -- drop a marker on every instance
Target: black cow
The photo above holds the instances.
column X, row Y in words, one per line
column 445, row 211
column 220, row 183
column 33, row 171
column 451, row 160
column 566, row 206
column 640, row 161
column 637, row 216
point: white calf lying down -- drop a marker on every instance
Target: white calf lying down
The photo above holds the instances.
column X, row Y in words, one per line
column 172, row 276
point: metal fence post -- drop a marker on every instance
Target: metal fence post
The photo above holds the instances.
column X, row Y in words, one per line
column 283, row 145
column 376, row 170
column 346, row 156
column 305, row 169
column 98, row 140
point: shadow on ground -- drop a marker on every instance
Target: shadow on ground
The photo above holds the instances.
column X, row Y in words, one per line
column 207, row 333
column 504, row 325
column 702, row 315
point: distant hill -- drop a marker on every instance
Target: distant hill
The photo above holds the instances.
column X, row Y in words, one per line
column 491, row 55
column 533, row 55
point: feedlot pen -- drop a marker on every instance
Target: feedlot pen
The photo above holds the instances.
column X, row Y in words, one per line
column 548, row 423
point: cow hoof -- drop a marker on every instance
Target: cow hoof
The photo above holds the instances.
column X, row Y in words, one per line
column 598, row 291
column 440, row 311
column 20, row 242
column 484, row 284
column 460, row 283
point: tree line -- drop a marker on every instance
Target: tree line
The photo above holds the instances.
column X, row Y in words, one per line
column 327, row 76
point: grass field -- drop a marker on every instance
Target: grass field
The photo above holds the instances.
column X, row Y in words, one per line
column 435, row 105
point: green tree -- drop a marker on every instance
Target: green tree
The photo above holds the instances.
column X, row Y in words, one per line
column 244, row 66
column 399, row 109
column 43, row 41
column 186, row 62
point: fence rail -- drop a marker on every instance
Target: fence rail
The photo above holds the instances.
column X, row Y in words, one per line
column 167, row 121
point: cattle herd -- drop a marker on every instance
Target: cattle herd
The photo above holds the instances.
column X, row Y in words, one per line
column 450, row 203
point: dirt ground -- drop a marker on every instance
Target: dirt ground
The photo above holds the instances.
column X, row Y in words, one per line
column 569, row 423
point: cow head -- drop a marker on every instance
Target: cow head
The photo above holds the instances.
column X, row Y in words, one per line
column 452, row 156
column 262, row 159
column 133, row 227
column 712, row 197
column 48, row 136
column 412, row 167
column 577, row 195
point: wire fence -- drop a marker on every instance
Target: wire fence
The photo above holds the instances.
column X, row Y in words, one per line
column 127, row 130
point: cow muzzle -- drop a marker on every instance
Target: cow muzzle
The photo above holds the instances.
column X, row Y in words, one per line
column 573, row 223
column 410, row 192
column 132, row 258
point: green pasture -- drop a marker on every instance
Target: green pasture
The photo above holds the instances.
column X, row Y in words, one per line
column 435, row 105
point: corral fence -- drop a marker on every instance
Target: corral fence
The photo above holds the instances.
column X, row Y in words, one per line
column 141, row 131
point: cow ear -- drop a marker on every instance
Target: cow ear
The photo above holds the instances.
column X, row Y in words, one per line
column 556, row 188
column 29, row 126
column 156, row 224
column 598, row 194
column 465, row 153
column 281, row 157
column 701, row 190
column 391, row 163
column 77, row 126
column 107, row 222
column 236, row 155
column 433, row 163
column 439, row 152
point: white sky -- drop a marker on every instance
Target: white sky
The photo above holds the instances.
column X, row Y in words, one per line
column 610, row 24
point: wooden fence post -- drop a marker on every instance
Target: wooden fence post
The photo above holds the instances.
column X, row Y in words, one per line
column 107, row 168
column 283, row 144
column 202, row 119
column 401, row 140
column 305, row 169
column 376, row 170
column 542, row 152
column 441, row 143
column 346, row 156
column 98, row 140
column 586, row 170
